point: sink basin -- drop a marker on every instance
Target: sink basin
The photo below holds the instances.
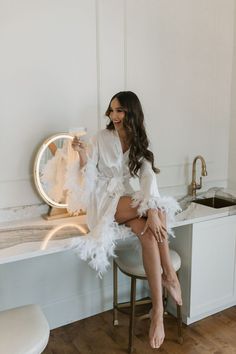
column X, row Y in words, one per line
column 215, row 202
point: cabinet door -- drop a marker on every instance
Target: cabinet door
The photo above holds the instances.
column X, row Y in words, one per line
column 213, row 265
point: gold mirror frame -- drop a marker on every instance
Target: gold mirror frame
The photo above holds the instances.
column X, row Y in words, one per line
column 56, row 210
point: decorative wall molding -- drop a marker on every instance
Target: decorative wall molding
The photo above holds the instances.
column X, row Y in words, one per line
column 98, row 65
column 184, row 85
column 125, row 44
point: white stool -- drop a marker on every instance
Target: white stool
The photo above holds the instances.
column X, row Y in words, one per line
column 129, row 262
column 23, row 330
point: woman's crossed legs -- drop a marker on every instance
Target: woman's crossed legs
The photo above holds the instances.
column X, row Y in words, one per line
column 156, row 257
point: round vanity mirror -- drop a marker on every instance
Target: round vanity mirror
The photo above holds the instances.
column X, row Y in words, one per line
column 53, row 158
column 50, row 168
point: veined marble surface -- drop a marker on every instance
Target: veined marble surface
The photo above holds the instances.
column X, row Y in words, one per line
column 193, row 212
column 22, row 239
column 34, row 237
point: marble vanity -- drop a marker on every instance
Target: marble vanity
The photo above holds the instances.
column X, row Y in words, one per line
column 205, row 240
column 22, row 239
column 36, row 237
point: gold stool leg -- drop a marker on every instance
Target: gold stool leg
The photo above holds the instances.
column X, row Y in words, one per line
column 179, row 321
column 115, row 294
column 179, row 324
column 132, row 315
column 165, row 300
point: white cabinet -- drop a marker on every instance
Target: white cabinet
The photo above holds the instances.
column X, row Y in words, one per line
column 208, row 271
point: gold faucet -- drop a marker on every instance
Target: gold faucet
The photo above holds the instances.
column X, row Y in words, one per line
column 194, row 186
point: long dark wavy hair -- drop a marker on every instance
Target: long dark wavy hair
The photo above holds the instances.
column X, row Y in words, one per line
column 135, row 130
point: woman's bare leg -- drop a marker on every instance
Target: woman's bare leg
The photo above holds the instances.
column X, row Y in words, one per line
column 126, row 213
column 152, row 266
column 169, row 278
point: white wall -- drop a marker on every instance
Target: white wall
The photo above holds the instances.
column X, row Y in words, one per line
column 48, row 69
column 232, row 141
column 179, row 60
column 62, row 60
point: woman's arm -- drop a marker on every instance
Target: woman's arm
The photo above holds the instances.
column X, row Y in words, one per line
column 81, row 174
column 80, row 146
column 160, row 211
column 156, row 222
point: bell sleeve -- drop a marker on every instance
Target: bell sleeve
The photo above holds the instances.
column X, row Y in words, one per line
column 80, row 181
column 148, row 197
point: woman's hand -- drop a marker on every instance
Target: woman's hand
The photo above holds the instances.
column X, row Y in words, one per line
column 156, row 222
column 78, row 145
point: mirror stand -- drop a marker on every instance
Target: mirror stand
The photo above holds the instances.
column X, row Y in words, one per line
column 56, row 213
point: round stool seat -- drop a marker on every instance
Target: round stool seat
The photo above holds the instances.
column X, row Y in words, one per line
column 130, row 261
column 23, row 330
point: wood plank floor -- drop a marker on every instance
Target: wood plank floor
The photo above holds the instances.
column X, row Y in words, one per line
column 96, row 335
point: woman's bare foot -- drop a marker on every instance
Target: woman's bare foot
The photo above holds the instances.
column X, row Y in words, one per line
column 172, row 285
column 156, row 331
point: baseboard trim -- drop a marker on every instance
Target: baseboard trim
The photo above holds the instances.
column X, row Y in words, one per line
column 77, row 307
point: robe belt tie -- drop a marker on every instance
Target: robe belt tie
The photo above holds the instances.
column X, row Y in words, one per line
column 115, row 184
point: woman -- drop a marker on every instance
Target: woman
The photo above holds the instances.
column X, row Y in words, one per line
column 115, row 211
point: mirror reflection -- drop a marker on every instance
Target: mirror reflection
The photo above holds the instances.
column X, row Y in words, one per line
column 52, row 169
column 53, row 159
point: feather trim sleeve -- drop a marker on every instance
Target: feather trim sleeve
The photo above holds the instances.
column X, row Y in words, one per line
column 149, row 197
column 80, row 182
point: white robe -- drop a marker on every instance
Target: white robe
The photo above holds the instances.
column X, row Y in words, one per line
column 97, row 189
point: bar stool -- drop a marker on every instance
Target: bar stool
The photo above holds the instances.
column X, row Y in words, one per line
column 23, row 330
column 129, row 262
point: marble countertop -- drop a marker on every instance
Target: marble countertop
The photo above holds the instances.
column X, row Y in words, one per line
column 193, row 212
column 35, row 237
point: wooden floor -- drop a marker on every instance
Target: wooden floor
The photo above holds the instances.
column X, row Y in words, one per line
column 96, row 335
